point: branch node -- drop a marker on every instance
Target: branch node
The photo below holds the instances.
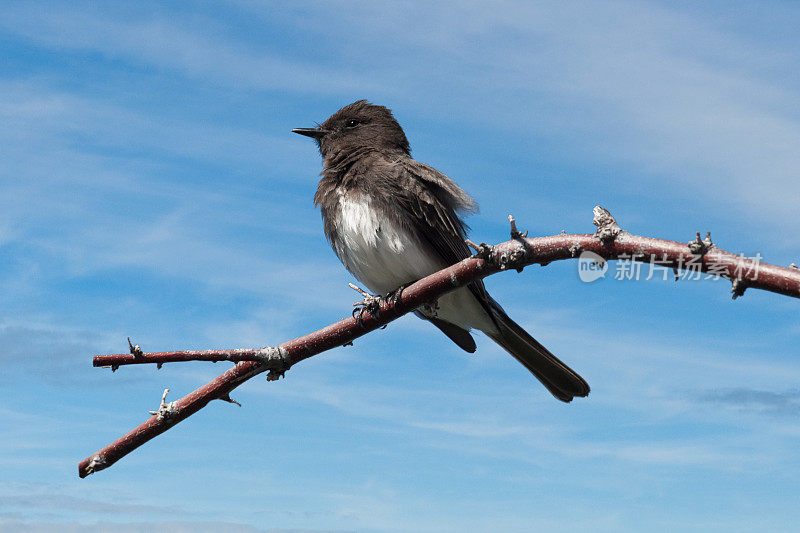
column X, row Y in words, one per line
column 165, row 410
column 607, row 227
column 512, row 259
column 515, row 234
column 159, row 365
column 700, row 247
column 136, row 351
column 96, row 463
column 227, row 398
column 793, row 266
column 675, row 271
column 482, row 250
column 738, row 288
column 575, row 250
column 349, row 343
column 273, row 357
column 114, row 368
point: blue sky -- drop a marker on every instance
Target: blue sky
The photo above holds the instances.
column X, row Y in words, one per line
column 150, row 187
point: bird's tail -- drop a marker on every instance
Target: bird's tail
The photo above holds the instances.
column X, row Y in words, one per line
column 563, row 382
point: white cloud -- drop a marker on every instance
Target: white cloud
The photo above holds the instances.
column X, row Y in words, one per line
column 197, row 47
column 614, row 82
column 16, row 525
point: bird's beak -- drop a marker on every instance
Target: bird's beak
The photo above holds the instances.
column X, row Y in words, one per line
column 314, row 133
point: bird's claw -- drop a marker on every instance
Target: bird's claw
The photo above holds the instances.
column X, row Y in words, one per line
column 370, row 303
column 396, row 295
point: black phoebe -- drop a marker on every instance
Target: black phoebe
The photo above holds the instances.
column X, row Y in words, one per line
column 392, row 220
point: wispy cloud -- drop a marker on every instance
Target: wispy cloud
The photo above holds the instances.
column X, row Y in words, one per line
column 11, row 525
column 197, row 47
column 54, row 353
column 785, row 403
column 619, row 83
column 613, row 81
column 51, row 502
column 90, row 212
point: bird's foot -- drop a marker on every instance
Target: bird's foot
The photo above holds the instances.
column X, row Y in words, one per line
column 396, row 295
column 370, row 303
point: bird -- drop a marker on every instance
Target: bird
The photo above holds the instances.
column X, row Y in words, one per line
column 392, row 220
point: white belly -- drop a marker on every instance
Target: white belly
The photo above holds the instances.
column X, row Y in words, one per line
column 380, row 254
column 384, row 255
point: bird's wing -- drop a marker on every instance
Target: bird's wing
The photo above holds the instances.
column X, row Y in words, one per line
column 433, row 201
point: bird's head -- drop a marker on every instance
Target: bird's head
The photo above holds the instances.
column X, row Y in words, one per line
column 357, row 126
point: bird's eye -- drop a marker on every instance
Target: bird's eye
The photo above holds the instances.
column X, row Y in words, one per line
column 352, row 123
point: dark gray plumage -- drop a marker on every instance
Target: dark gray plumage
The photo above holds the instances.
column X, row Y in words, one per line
column 392, row 220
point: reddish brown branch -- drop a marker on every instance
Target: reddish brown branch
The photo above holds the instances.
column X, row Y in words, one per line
column 159, row 358
column 609, row 242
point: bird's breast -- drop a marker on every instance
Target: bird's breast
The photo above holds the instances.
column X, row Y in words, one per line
column 379, row 250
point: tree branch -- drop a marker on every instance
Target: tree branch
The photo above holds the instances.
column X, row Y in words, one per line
column 609, row 242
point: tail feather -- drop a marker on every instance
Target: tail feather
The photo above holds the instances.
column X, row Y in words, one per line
column 563, row 382
column 458, row 335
